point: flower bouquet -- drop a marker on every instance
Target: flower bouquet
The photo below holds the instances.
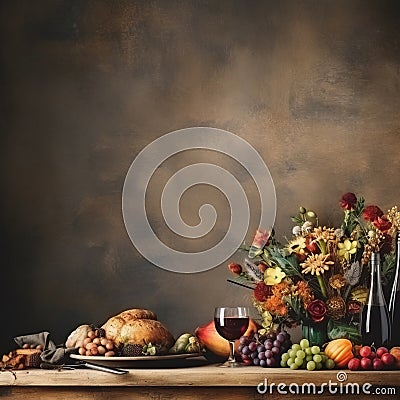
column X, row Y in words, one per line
column 320, row 276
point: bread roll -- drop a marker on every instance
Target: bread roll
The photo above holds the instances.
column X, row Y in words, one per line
column 138, row 326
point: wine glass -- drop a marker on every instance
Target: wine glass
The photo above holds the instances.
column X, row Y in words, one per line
column 231, row 323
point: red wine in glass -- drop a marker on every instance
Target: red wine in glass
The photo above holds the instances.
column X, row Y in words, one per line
column 231, row 328
column 231, row 323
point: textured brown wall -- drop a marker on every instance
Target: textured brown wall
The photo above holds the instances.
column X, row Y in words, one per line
column 314, row 86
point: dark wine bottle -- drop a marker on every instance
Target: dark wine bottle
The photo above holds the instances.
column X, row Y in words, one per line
column 394, row 300
column 375, row 325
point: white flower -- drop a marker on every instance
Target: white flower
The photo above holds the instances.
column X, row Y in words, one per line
column 307, row 226
column 296, row 230
column 339, row 233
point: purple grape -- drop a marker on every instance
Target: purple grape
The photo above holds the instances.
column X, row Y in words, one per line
column 240, row 348
column 263, row 363
column 253, row 346
column 260, row 348
column 244, row 356
column 245, row 350
column 261, row 355
column 244, row 340
column 281, row 338
column 275, row 350
column 268, row 345
column 277, row 343
column 270, row 362
column 268, row 354
column 287, row 344
column 271, row 335
column 254, row 355
column 256, row 361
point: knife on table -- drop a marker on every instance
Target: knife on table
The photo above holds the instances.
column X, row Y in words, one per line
column 86, row 364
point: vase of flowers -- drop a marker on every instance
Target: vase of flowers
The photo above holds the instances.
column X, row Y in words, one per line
column 318, row 279
column 316, row 334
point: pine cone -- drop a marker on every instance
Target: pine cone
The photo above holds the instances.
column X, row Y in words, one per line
column 336, row 308
column 132, row 350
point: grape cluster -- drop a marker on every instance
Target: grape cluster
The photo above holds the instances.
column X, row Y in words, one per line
column 96, row 344
column 302, row 356
column 264, row 349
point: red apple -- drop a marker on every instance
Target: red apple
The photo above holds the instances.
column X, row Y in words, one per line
column 388, row 359
column 366, row 363
column 377, row 364
column 354, row 364
column 381, row 351
column 365, row 351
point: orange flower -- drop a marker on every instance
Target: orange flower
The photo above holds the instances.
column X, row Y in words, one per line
column 303, row 290
column 275, row 303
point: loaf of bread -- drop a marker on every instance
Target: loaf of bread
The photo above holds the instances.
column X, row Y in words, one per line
column 138, row 326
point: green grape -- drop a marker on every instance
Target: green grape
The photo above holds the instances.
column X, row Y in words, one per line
column 311, row 365
column 298, row 361
column 317, row 358
column 308, row 351
column 290, row 362
column 300, row 354
column 324, row 357
column 285, row 357
column 309, row 358
column 329, row 364
column 319, row 365
column 296, row 347
column 315, row 350
column 292, row 353
column 283, row 363
column 294, row 366
column 304, row 343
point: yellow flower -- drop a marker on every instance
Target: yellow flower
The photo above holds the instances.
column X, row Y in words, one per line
column 272, row 276
column 347, row 248
column 316, row 264
column 337, row 281
column 297, row 245
column 393, row 215
column 266, row 320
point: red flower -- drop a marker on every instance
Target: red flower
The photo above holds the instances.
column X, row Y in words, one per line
column 354, row 307
column 262, row 291
column 317, row 310
column 371, row 213
column 383, row 224
column 348, row 201
column 262, row 266
column 235, row 268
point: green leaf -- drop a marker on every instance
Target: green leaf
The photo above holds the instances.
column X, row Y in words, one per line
column 388, row 267
column 340, row 330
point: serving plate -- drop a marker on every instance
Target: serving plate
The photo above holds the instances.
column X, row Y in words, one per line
column 166, row 361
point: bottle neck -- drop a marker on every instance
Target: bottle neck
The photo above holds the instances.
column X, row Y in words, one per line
column 376, row 296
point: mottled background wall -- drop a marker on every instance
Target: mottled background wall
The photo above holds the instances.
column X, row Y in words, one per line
column 314, row 86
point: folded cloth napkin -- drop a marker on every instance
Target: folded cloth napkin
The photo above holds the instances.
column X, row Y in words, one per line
column 51, row 353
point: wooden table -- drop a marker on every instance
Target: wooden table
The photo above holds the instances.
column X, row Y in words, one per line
column 206, row 382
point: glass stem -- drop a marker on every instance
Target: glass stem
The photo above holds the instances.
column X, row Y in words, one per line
column 231, row 351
